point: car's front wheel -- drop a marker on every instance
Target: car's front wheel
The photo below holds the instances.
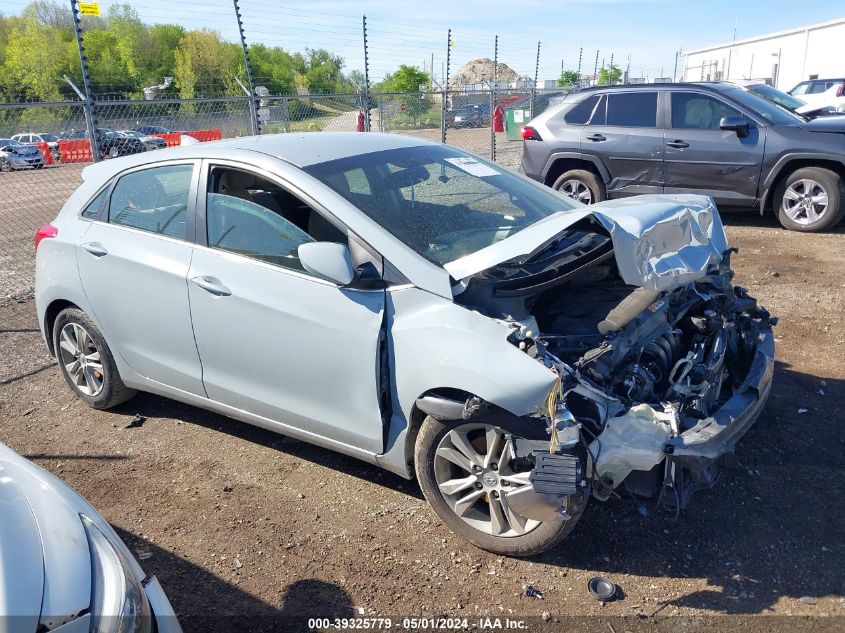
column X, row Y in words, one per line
column 581, row 185
column 86, row 362
column 4, row 165
column 467, row 471
column 810, row 199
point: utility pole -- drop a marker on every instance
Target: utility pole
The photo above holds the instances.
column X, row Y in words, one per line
column 366, row 98
column 89, row 109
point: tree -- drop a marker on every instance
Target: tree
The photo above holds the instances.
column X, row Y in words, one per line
column 609, row 76
column 405, row 79
column 569, row 78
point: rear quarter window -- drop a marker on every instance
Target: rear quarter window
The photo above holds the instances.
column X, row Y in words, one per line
column 581, row 112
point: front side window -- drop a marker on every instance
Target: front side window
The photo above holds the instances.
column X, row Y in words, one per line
column 440, row 202
column 632, row 109
column 691, row 111
column 154, row 200
column 254, row 217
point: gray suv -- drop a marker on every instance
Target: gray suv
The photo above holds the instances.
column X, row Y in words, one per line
column 716, row 139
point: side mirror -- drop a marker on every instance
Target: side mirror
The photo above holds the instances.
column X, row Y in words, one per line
column 327, row 260
column 738, row 124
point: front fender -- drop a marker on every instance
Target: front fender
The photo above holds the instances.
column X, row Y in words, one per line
column 436, row 343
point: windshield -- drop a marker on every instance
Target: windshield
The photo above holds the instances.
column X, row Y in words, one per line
column 49, row 138
column 780, row 98
column 771, row 112
column 442, row 203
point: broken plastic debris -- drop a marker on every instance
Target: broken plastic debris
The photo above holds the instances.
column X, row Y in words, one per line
column 145, row 555
column 136, row 422
column 531, row 592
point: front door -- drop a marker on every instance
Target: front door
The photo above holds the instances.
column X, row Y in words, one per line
column 701, row 158
column 133, row 262
column 274, row 340
column 623, row 134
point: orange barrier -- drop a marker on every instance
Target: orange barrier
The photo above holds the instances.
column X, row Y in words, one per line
column 172, row 139
column 206, row 135
column 75, row 151
column 48, row 155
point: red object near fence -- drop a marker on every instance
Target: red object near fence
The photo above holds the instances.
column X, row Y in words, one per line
column 75, row 151
column 173, row 139
column 48, row 155
column 206, row 135
column 498, row 119
column 360, row 126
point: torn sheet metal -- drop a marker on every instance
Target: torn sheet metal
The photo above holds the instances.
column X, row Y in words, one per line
column 663, row 242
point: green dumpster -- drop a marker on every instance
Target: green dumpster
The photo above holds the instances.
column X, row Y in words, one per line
column 515, row 118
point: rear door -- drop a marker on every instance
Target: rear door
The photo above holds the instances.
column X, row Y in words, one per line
column 702, row 158
column 623, row 133
column 133, row 262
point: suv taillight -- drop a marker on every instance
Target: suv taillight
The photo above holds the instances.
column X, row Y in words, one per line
column 530, row 134
column 840, row 90
column 48, row 230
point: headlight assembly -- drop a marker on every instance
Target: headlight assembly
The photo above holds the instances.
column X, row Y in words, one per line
column 118, row 601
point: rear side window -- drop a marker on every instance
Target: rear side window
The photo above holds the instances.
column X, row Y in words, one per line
column 580, row 114
column 154, row 200
column 691, row 111
column 632, row 109
column 92, row 211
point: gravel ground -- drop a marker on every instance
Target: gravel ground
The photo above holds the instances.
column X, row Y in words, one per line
column 240, row 522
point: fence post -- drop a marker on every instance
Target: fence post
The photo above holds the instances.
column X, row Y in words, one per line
column 444, row 101
column 252, row 113
column 255, row 118
column 493, row 98
column 381, row 124
column 366, row 103
column 286, row 113
column 89, row 107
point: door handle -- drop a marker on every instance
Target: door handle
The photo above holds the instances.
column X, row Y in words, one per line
column 95, row 248
column 597, row 137
column 212, row 285
column 678, row 144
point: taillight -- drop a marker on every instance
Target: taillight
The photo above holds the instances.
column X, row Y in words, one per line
column 48, row 230
column 530, row 134
column 840, row 90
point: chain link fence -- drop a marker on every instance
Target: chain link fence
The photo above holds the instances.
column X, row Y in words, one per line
column 50, row 144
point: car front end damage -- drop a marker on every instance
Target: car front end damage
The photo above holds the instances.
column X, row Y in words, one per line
column 659, row 363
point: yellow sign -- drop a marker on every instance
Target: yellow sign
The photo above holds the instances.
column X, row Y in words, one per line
column 89, row 8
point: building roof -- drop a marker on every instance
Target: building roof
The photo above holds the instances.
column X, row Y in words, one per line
column 759, row 38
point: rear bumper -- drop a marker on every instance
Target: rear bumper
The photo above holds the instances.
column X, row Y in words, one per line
column 700, row 446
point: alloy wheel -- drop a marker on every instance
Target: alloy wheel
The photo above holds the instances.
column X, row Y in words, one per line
column 4, row 165
column 805, row 201
column 577, row 190
column 81, row 359
column 473, row 467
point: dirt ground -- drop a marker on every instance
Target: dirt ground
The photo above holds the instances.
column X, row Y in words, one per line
column 242, row 523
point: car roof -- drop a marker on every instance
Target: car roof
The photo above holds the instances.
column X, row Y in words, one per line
column 716, row 86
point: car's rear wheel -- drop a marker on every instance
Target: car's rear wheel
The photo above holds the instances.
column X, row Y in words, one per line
column 114, row 153
column 466, row 470
column 581, row 185
column 810, row 199
column 86, row 362
column 4, row 165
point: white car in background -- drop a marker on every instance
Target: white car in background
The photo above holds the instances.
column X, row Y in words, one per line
column 822, row 93
column 62, row 566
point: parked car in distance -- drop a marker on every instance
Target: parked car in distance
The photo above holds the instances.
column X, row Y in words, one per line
column 152, row 129
column 822, row 93
column 110, row 143
column 411, row 305
column 15, row 155
column 715, row 139
column 150, row 142
column 786, row 100
column 62, row 566
column 33, row 138
column 472, row 115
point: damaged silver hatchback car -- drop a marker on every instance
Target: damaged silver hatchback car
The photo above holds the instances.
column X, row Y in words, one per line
column 419, row 308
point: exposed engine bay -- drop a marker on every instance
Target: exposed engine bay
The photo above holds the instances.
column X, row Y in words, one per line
column 637, row 367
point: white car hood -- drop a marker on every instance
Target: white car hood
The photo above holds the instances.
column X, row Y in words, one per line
column 660, row 241
column 45, row 563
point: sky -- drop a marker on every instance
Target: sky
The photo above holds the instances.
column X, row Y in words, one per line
column 648, row 32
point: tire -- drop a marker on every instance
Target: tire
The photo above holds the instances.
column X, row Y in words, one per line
column 795, row 195
column 4, row 165
column 68, row 330
column 520, row 540
column 114, row 152
column 581, row 185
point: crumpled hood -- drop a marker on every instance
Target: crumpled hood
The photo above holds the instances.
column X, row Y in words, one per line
column 660, row 241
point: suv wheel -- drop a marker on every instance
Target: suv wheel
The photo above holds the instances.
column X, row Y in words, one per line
column 581, row 185
column 810, row 199
column 86, row 362
column 466, row 472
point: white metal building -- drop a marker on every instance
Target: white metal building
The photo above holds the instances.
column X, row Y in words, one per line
column 780, row 59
